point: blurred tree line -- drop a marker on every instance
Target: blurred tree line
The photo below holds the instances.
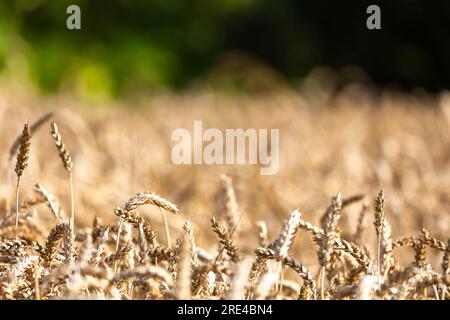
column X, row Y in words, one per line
column 131, row 44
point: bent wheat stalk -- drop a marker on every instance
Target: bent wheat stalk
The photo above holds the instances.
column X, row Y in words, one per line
column 143, row 198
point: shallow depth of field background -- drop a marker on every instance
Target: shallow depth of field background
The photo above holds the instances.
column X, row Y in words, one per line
column 357, row 111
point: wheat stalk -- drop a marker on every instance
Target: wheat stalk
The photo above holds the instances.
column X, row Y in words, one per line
column 284, row 241
column 68, row 165
column 184, row 273
column 330, row 234
column 240, row 279
column 22, row 162
column 12, row 152
column 379, row 224
column 386, row 248
column 143, row 198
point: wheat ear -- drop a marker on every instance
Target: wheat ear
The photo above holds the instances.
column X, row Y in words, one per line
column 286, row 236
column 193, row 250
column 284, row 241
column 225, row 240
column 68, row 165
column 330, row 235
column 240, row 278
column 184, row 270
column 22, row 162
column 232, row 216
column 308, row 281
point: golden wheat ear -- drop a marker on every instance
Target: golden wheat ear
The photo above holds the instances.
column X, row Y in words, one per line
column 12, row 152
column 24, row 151
column 62, row 150
column 68, row 165
column 22, row 162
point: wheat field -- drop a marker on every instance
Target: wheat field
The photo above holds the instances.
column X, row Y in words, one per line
column 91, row 207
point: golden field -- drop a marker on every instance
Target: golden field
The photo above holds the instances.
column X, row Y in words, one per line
column 332, row 146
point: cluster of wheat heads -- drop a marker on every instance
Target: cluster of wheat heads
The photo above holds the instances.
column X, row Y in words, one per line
column 127, row 260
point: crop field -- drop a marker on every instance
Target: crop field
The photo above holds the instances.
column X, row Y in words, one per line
column 93, row 207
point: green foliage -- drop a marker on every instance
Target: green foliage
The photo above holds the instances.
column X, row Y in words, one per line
column 141, row 45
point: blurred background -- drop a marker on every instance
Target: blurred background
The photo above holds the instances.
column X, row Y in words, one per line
column 134, row 47
column 358, row 110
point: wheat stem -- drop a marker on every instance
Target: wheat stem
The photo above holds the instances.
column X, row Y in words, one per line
column 17, row 206
column 322, row 282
